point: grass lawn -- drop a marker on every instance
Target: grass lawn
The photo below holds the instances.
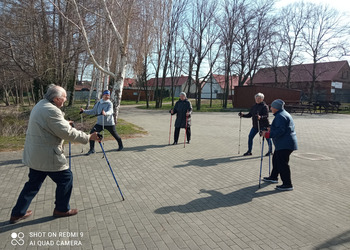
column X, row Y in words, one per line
column 14, row 120
column 345, row 108
column 127, row 102
column 205, row 106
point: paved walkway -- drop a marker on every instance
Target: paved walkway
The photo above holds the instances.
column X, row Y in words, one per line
column 204, row 196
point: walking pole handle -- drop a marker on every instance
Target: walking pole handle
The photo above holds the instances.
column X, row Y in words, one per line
column 71, row 122
column 100, row 137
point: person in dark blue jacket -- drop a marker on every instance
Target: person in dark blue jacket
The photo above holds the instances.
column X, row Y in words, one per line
column 282, row 132
column 183, row 111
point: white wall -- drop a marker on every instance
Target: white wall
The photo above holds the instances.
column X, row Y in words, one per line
column 206, row 90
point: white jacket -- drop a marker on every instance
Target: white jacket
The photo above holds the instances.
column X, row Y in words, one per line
column 47, row 130
column 107, row 106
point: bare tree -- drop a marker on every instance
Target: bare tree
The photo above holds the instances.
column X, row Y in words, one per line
column 230, row 25
column 161, row 16
column 142, row 44
column 292, row 22
column 176, row 17
column 273, row 58
column 252, row 39
column 322, row 34
column 205, row 36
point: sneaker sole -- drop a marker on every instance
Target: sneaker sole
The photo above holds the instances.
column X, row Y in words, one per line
column 285, row 189
column 271, row 181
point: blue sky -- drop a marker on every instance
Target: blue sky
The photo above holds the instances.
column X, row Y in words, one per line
column 341, row 5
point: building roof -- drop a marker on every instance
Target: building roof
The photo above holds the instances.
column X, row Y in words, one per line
column 129, row 82
column 82, row 86
column 86, row 85
column 327, row 71
column 179, row 81
column 221, row 80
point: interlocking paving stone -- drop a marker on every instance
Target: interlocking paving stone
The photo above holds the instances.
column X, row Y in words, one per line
column 204, row 196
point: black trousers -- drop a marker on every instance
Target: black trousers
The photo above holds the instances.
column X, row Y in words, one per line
column 177, row 133
column 63, row 180
column 280, row 163
column 111, row 129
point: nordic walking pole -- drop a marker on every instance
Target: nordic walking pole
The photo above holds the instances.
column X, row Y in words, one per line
column 103, row 130
column 258, row 127
column 185, row 131
column 270, row 157
column 109, row 165
column 70, row 147
column 82, row 127
column 261, row 162
column 239, row 138
column 171, row 119
column 70, row 155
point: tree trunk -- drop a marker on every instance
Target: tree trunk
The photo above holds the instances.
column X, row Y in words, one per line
column 33, row 96
column 211, row 90
column 75, row 75
column 28, row 96
column 93, row 84
column 21, row 97
column 6, row 96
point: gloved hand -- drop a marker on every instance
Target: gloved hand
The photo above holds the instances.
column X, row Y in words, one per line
column 81, row 111
column 240, row 114
column 266, row 134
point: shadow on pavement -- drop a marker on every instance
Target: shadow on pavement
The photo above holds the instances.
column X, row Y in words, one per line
column 215, row 161
column 335, row 242
column 12, row 162
column 217, row 200
column 137, row 149
column 140, row 148
column 5, row 226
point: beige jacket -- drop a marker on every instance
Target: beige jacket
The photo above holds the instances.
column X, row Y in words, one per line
column 47, row 130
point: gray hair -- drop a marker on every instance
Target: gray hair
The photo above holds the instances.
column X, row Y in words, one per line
column 261, row 95
column 183, row 93
column 53, row 91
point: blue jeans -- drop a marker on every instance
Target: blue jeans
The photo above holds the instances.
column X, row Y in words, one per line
column 63, row 180
column 251, row 136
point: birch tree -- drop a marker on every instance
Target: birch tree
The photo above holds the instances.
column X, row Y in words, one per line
column 110, row 10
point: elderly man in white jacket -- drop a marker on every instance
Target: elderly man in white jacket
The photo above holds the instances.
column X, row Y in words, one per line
column 44, row 154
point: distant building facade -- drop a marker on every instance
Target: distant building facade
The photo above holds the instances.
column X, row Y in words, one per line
column 215, row 86
column 332, row 80
column 180, row 84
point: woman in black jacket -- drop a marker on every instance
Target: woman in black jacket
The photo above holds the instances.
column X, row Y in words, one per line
column 260, row 119
column 183, row 111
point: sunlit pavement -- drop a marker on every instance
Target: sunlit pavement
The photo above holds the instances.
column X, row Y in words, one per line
column 203, row 196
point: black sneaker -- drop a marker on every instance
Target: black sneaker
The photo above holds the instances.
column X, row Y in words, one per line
column 269, row 153
column 175, row 143
column 188, row 142
column 284, row 187
column 269, row 179
column 247, row 153
column 91, row 151
column 120, row 148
